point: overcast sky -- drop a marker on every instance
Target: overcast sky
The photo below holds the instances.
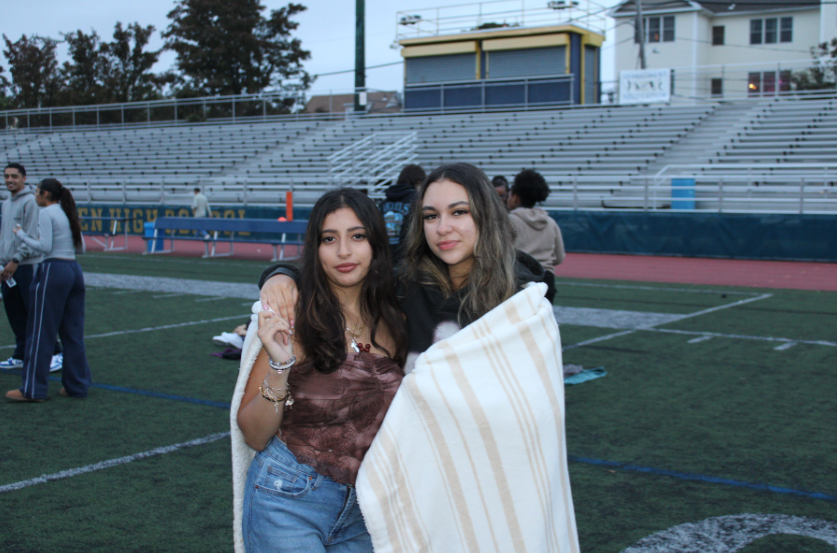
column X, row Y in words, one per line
column 326, row 29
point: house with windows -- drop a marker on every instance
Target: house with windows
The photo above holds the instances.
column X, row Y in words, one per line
column 724, row 48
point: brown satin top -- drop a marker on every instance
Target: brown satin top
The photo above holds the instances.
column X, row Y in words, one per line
column 335, row 416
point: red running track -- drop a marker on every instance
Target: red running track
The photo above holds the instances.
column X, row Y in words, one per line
column 797, row 275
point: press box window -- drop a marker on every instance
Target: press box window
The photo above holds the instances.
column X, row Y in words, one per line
column 718, row 35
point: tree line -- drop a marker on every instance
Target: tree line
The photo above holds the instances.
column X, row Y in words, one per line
column 223, row 47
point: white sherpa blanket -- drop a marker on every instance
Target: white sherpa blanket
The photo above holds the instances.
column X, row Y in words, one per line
column 472, row 456
column 242, row 454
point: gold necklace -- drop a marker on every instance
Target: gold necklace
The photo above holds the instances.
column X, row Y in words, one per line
column 354, row 334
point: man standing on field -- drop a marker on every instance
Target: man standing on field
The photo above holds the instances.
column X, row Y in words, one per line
column 19, row 262
column 200, row 208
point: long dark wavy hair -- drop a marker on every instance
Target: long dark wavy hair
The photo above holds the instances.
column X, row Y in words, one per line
column 491, row 280
column 57, row 192
column 320, row 325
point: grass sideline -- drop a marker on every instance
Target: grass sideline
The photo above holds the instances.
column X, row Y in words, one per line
column 732, row 408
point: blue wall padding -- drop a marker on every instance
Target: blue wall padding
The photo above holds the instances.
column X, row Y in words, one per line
column 741, row 236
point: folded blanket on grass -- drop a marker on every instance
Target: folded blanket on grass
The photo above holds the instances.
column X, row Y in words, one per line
column 472, row 455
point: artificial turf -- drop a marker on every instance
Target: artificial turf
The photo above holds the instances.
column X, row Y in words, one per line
column 643, row 440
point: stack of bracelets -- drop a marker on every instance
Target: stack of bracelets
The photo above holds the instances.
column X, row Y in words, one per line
column 272, row 394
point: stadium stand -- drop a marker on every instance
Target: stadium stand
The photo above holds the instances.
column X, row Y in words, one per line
column 597, row 157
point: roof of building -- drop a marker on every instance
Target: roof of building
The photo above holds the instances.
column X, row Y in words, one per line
column 628, row 7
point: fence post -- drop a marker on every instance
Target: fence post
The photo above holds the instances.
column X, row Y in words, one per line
column 802, row 196
column 233, row 107
column 721, row 196
column 575, row 193
column 645, row 199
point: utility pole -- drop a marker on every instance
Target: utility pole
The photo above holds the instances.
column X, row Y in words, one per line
column 640, row 26
column 360, row 53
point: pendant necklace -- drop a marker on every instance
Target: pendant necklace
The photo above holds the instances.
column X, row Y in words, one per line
column 354, row 333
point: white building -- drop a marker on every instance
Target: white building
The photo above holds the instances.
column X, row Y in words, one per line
column 725, row 48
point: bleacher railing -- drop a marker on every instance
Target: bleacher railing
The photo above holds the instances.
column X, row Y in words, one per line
column 374, row 160
column 812, row 193
column 266, row 106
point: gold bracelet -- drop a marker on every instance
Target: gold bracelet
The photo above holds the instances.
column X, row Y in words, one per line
column 269, row 394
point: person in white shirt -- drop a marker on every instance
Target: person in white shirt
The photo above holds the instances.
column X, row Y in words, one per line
column 200, row 208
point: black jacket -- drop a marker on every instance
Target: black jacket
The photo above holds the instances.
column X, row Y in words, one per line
column 430, row 316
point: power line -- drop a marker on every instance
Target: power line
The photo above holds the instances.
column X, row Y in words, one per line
column 352, row 70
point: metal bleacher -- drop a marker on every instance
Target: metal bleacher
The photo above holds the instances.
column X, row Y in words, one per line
column 594, row 158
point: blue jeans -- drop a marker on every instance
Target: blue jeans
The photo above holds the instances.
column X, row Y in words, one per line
column 290, row 507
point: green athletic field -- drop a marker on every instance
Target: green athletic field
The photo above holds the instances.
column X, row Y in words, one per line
column 717, row 402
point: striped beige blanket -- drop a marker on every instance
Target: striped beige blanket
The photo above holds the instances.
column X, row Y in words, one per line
column 472, row 455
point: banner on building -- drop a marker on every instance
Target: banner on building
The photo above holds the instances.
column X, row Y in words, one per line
column 645, row 86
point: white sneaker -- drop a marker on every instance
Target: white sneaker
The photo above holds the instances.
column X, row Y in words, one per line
column 11, row 363
column 56, row 363
column 228, row 339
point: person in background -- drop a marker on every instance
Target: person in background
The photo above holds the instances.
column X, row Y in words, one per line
column 536, row 232
column 200, row 208
column 18, row 262
column 56, row 297
column 501, row 185
column 396, row 207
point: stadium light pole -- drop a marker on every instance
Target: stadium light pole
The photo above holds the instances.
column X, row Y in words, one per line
column 640, row 25
column 360, row 51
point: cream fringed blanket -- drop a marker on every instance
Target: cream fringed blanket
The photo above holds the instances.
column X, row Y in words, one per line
column 242, row 454
column 471, row 456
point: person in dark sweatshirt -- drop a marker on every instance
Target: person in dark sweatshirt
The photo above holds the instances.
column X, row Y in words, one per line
column 396, row 207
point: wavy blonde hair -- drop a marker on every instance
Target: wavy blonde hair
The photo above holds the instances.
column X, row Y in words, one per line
column 491, row 280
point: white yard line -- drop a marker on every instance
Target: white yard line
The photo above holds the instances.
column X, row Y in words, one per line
column 150, row 329
column 680, row 318
column 655, row 288
column 783, row 347
column 708, row 335
column 599, row 339
column 699, row 339
column 727, row 306
column 167, row 296
column 210, row 299
column 111, row 463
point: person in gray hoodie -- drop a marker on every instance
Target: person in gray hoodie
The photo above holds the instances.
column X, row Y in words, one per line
column 19, row 261
column 536, row 233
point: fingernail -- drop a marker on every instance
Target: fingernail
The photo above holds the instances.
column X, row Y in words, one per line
column 264, row 307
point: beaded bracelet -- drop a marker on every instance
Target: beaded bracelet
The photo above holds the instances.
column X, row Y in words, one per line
column 281, row 367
